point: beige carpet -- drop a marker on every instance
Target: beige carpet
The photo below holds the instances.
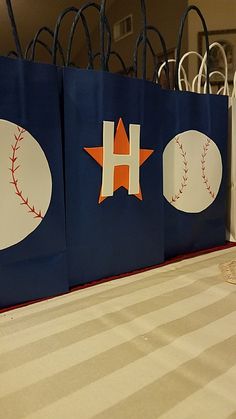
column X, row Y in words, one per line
column 160, row 344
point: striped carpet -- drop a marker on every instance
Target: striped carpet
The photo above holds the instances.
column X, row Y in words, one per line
column 160, row 344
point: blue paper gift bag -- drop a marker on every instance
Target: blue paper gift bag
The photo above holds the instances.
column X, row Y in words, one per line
column 113, row 163
column 113, row 167
column 32, row 222
column 194, row 171
column 194, row 164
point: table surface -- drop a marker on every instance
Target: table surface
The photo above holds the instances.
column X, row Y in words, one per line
column 159, row 344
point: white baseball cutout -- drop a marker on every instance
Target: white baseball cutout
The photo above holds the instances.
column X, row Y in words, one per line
column 192, row 171
column 25, row 184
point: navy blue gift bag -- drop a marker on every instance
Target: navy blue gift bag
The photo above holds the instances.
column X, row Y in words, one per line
column 114, row 226
column 113, row 174
column 32, row 222
column 194, row 166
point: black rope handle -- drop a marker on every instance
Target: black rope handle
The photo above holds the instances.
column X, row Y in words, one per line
column 12, row 54
column 156, row 68
column 39, row 42
column 118, row 56
column 98, row 54
column 14, row 29
column 179, row 43
column 87, row 36
column 88, row 39
column 88, row 42
column 57, row 29
column 164, row 51
column 35, row 41
column 135, row 57
column 120, row 59
column 79, row 15
column 72, row 64
column 104, row 56
column 60, row 18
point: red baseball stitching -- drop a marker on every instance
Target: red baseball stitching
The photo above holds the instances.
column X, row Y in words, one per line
column 206, row 146
column 184, row 177
column 14, row 168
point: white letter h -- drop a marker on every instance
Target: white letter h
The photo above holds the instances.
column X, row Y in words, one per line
column 111, row 160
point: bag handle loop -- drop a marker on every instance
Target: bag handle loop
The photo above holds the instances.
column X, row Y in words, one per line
column 60, row 18
column 14, row 29
column 39, row 42
column 234, row 84
column 214, row 45
column 135, row 57
column 163, row 67
column 118, row 56
column 105, row 57
column 35, row 41
column 179, row 43
column 12, row 54
column 182, row 79
column 164, row 50
column 87, row 34
column 57, row 29
column 120, row 59
column 186, row 55
column 225, row 88
column 88, row 41
column 195, row 80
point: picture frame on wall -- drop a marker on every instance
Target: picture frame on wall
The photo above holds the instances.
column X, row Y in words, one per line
column 227, row 38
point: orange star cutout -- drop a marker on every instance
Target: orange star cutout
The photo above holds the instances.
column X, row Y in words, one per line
column 121, row 146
